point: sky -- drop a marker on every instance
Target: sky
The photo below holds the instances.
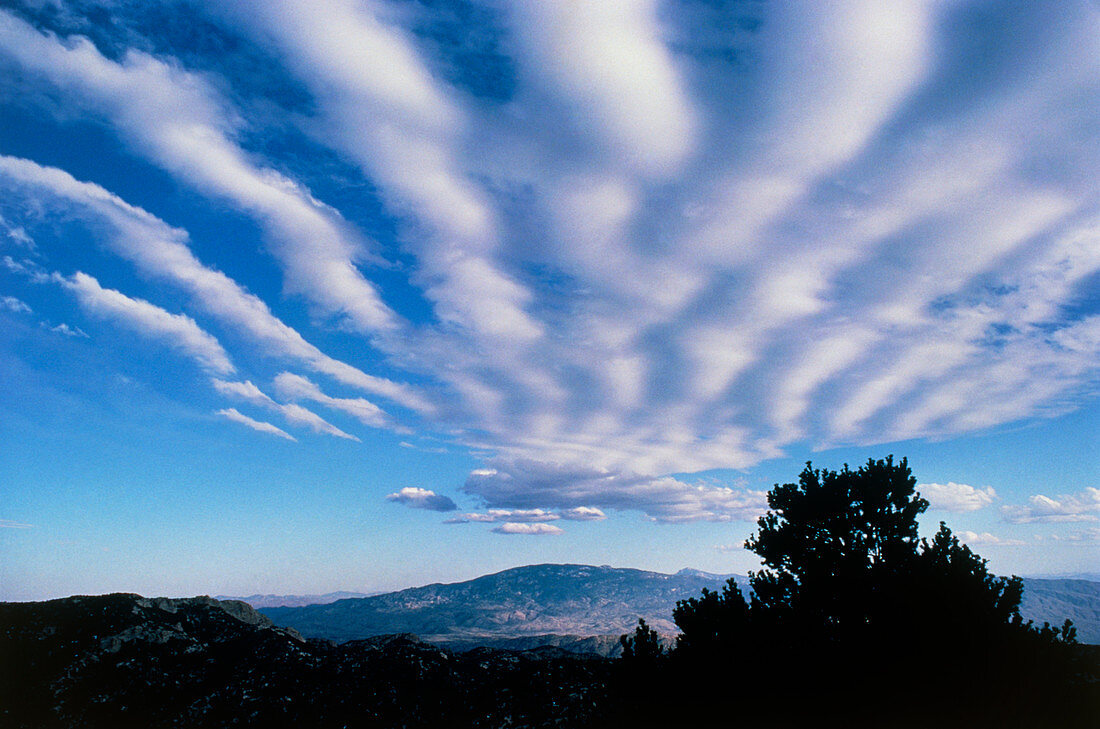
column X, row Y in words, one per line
column 301, row 295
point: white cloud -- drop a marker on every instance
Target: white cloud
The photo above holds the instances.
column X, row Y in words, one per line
column 956, row 497
column 504, row 515
column 177, row 330
column 21, row 238
column 296, row 387
column 257, row 425
column 607, row 66
column 1082, row 506
column 406, row 130
column 531, row 485
column 419, row 498
column 161, row 251
column 583, row 513
column 526, row 528
column 293, row 413
column 177, row 120
column 986, row 539
column 67, row 330
column 9, row 524
column 13, row 304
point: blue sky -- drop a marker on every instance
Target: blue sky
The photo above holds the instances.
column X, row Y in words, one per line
column 304, row 296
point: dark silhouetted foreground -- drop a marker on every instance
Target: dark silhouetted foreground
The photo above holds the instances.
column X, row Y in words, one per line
column 856, row 622
column 125, row 661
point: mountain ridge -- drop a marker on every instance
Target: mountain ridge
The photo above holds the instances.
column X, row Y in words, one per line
column 568, row 603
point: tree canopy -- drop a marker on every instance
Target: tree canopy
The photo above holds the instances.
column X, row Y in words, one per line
column 862, row 620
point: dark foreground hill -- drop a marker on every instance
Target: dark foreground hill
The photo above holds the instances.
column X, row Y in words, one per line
column 125, row 661
column 585, row 608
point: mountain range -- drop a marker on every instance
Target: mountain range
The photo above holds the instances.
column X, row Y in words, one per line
column 265, row 601
column 586, row 608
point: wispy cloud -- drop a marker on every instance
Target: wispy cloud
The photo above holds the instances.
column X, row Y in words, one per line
column 67, row 330
column 419, row 498
column 293, row 413
column 1082, row 506
column 1087, row 537
column 504, row 515
column 180, row 122
column 9, row 524
column 257, row 425
column 13, row 304
column 162, row 251
column 527, row 528
column 985, row 539
column 956, row 497
column 176, row 330
column 530, row 485
column 296, row 387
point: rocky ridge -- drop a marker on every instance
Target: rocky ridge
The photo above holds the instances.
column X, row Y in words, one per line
column 126, row 661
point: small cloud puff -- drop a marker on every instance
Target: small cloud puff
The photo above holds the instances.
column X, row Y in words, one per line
column 987, row 539
column 512, row 527
column 67, row 330
column 729, row 547
column 956, row 497
column 583, row 513
column 418, row 498
column 1083, row 506
column 9, row 524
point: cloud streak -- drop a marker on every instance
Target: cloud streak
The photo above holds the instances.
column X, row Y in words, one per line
column 258, row 425
column 527, row 528
column 162, row 252
column 176, row 330
column 179, row 122
column 1082, row 506
column 295, row 414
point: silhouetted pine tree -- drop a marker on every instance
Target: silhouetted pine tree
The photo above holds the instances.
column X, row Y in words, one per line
column 854, row 621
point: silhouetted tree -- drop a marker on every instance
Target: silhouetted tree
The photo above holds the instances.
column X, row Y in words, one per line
column 715, row 621
column 643, row 647
column 832, row 543
column 856, row 621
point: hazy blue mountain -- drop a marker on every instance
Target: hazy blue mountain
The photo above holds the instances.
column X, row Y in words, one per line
column 584, row 608
column 265, row 601
column 536, row 600
column 1053, row 601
